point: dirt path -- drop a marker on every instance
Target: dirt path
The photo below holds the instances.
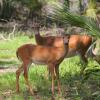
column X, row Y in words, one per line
column 4, row 70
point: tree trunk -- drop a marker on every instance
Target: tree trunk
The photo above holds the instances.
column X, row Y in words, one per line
column 1, row 6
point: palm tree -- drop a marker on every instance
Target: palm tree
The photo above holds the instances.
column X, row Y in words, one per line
column 82, row 21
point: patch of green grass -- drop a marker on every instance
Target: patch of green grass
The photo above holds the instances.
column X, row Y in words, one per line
column 6, row 54
column 8, row 47
column 71, row 83
column 15, row 42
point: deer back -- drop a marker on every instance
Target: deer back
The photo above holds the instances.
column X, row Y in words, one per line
column 42, row 54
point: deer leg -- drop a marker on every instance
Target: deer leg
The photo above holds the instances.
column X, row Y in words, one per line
column 26, row 77
column 84, row 63
column 18, row 72
column 52, row 84
column 84, row 59
column 48, row 74
column 51, row 69
column 57, row 77
column 97, row 59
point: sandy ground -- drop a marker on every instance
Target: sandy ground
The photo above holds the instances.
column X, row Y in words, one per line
column 4, row 70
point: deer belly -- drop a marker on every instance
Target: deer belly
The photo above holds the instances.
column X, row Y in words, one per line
column 39, row 62
column 72, row 53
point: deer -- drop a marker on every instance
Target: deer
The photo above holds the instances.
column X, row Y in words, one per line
column 46, row 40
column 78, row 44
column 46, row 55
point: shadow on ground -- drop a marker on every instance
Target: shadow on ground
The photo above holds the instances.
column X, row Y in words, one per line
column 73, row 88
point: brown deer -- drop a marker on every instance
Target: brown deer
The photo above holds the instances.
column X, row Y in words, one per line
column 47, row 40
column 49, row 55
column 78, row 44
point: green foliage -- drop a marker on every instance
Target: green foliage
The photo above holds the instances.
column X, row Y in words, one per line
column 32, row 4
column 7, row 9
column 92, row 4
column 71, row 84
column 11, row 7
column 91, row 10
column 67, row 17
column 71, row 81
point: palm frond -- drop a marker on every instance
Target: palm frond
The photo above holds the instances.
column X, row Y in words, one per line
column 67, row 17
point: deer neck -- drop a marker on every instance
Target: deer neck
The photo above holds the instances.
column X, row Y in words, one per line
column 65, row 49
column 38, row 37
column 65, row 46
column 62, row 51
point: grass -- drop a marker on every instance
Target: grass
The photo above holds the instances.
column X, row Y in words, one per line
column 10, row 46
column 71, row 84
column 73, row 88
column 39, row 80
column 8, row 49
